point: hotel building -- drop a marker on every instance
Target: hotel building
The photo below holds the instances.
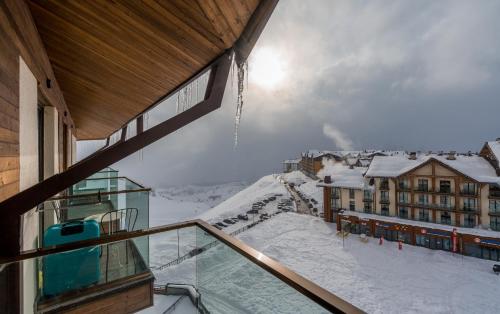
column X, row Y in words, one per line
column 422, row 199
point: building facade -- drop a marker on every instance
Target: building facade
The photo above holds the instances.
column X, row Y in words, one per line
column 439, row 191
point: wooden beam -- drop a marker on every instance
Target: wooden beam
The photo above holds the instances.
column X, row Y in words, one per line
column 253, row 29
column 22, row 202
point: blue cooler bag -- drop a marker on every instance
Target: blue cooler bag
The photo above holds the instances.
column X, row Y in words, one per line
column 72, row 270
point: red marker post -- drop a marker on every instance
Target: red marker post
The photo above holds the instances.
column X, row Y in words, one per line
column 400, row 245
column 381, row 241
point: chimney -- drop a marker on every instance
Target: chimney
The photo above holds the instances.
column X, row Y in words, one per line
column 440, row 153
column 328, row 179
column 413, row 156
column 451, row 155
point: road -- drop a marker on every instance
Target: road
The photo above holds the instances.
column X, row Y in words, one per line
column 299, row 201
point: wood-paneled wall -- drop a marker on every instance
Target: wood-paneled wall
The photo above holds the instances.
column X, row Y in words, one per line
column 19, row 37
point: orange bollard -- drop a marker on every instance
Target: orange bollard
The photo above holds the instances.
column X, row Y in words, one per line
column 400, row 245
column 381, row 241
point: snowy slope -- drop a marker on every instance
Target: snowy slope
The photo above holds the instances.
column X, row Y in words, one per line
column 180, row 203
column 239, row 203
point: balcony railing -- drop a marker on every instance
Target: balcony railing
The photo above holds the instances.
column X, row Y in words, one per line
column 403, row 187
column 118, row 205
column 422, row 189
column 444, row 190
column 472, row 209
column 466, row 192
column 434, row 206
column 494, row 194
column 384, row 186
column 384, row 201
column 367, row 199
column 216, row 270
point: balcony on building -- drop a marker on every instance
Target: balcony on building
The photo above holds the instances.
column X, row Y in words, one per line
column 384, row 200
column 494, row 191
column 404, row 187
column 384, row 185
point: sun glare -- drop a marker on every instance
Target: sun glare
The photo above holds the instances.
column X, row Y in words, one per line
column 267, row 68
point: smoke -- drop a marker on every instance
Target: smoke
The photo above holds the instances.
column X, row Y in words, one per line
column 339, row 139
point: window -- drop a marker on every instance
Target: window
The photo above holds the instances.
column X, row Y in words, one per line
column 385, row 211
column 469, row 188
column 384, row 184
column 421, row 240
column 444, row 201
column 423, row 199
column 335, row 203
column 352, row 205
column 403, row 184
column 444, row 186
column 495, row 206
column 423, row 185
column 384, row 196
column 404, row 197
column 367, row 195
column 368, row 208
column 423, row 215
column 469, row 221
column 403, row 212
column 446, row 218
column 470, row 204
column 335, row 193
column 351, row 193
column 495, row 223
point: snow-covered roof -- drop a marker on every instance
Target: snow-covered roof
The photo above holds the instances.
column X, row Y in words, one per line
column 474, row 167
column 495, row 149
column 344, row 176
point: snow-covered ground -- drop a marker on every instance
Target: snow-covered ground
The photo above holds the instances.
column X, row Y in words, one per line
column 378, row 279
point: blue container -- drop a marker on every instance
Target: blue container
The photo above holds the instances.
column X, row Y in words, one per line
column 72, row 270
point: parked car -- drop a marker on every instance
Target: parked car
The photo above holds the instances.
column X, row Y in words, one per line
column 217, row 226
column 228, row 221
column 242, row 217
column 496, row 268
column 264, row 216
column 220, row 224
column 310, row 205
column 253, row 211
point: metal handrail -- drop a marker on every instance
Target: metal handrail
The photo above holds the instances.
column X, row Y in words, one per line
column 314, row 292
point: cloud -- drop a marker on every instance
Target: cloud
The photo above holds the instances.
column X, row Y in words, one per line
column 406, row 75
column 339, row 139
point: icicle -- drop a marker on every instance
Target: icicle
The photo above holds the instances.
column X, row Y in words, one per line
column 242, row 68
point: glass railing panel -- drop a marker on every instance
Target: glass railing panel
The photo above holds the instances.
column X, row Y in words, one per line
column 105, row 173
column 219, row 278
column 230, row 283
column 116, row 212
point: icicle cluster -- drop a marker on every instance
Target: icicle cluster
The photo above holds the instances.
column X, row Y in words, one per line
column 192, row 94
column 242, row 73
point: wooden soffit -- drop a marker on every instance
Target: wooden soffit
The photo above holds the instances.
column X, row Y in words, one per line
column 113, row 59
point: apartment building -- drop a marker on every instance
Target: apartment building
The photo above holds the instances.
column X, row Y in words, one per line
column 413, row 190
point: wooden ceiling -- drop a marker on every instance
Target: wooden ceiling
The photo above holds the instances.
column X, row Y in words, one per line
column 114, row 58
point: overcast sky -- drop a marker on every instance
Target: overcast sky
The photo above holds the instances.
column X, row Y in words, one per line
column 405, row 75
